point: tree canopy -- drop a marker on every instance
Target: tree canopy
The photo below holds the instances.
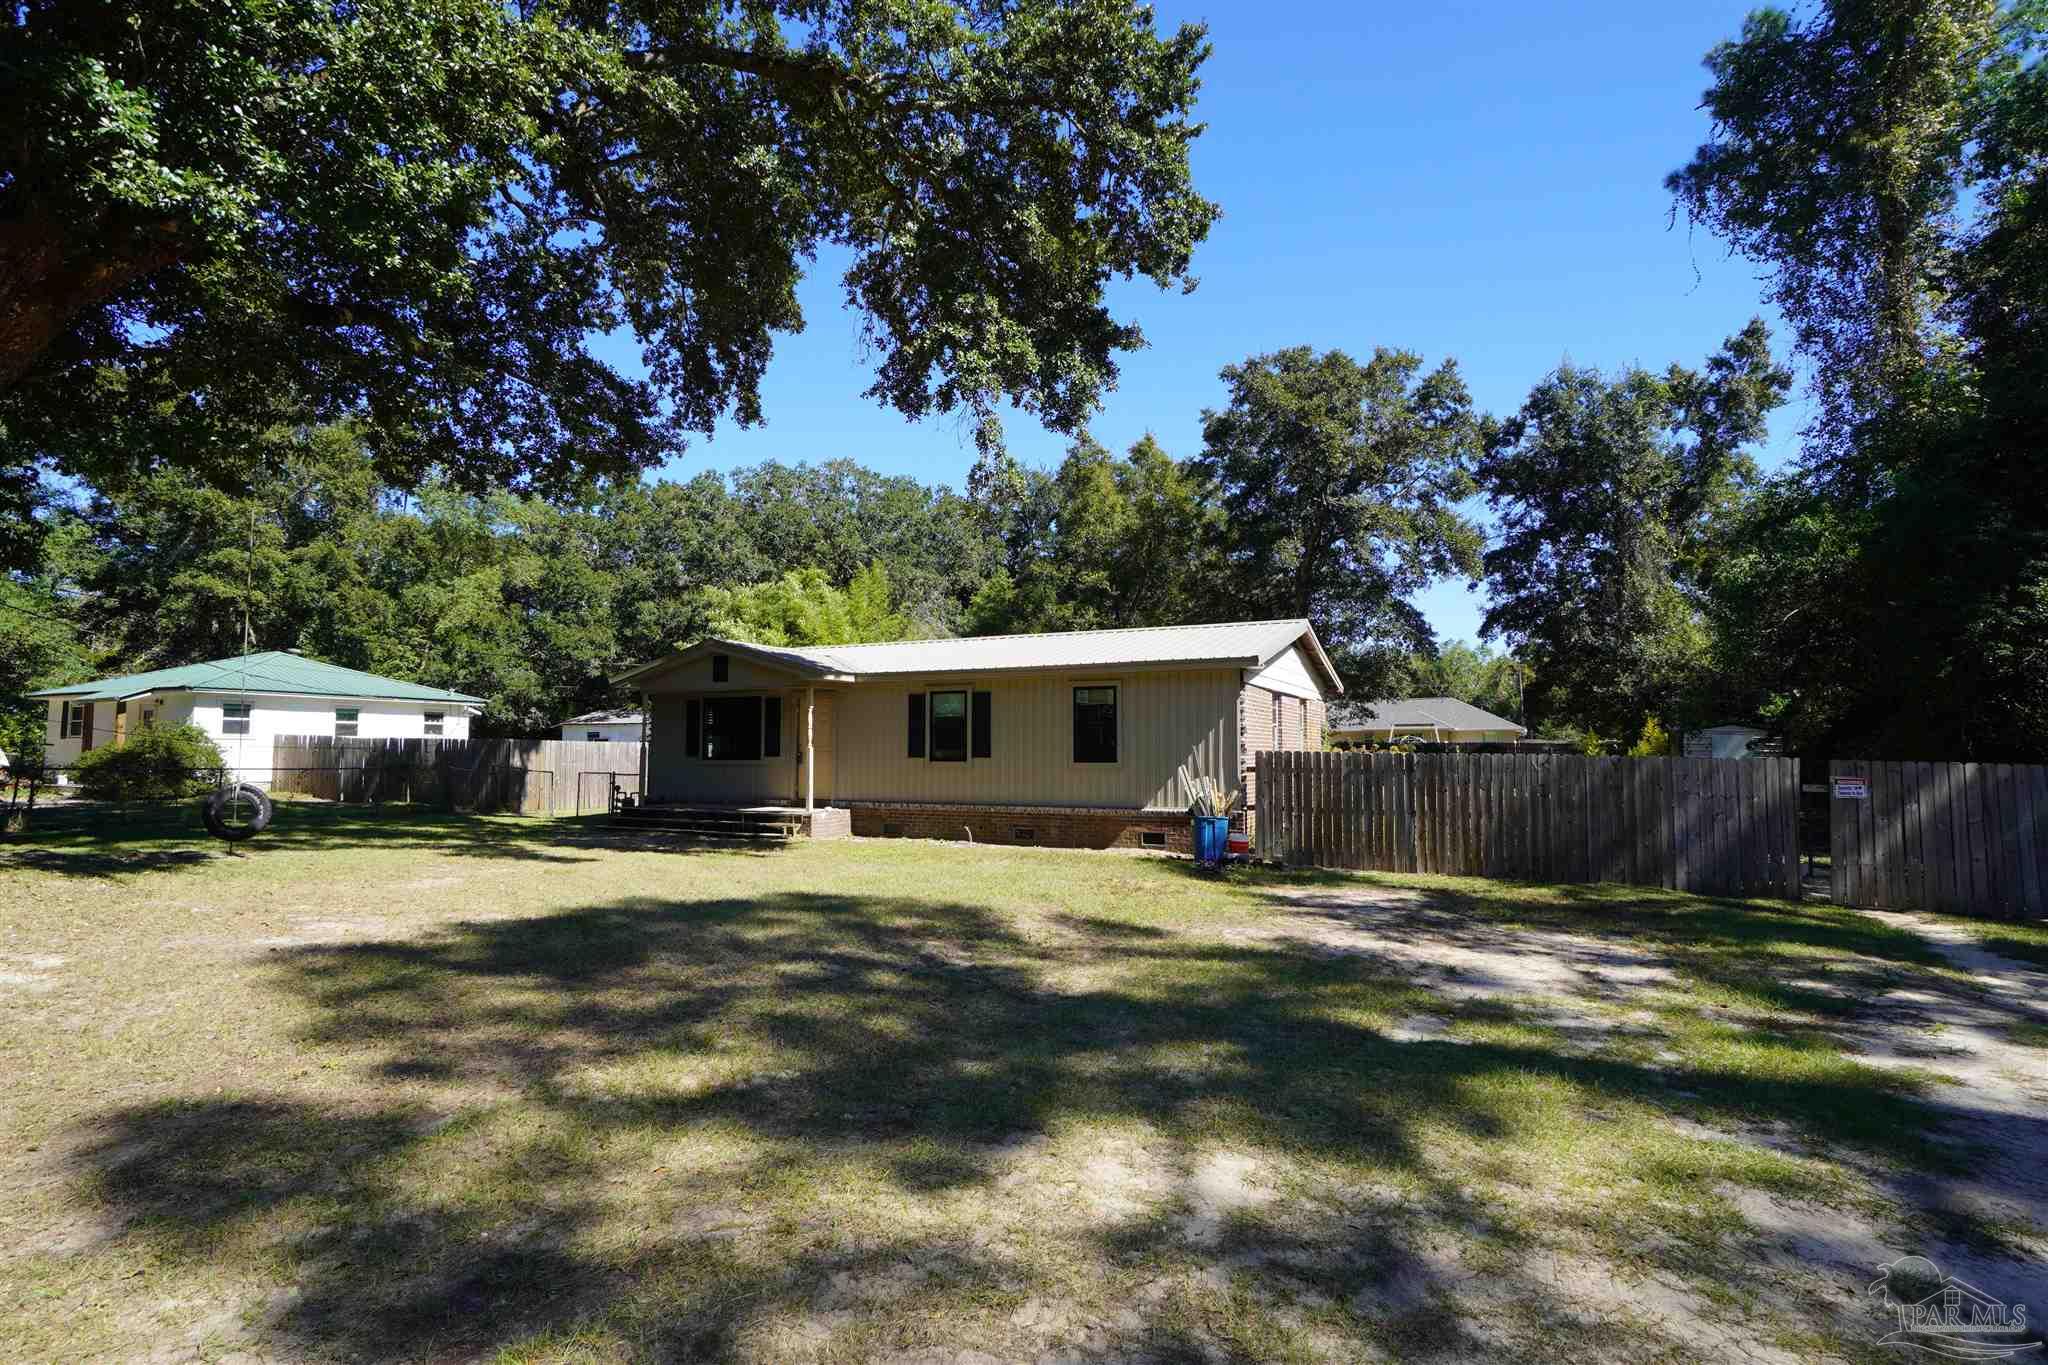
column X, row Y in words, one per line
column 1339, row 487
column 1608, row 491
column 219, row 218
column 1885, row 162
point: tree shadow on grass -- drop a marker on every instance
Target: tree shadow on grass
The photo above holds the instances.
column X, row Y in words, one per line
column 919, row 1038
column 85, row 839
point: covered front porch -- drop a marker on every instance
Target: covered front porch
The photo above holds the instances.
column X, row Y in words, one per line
column 739, row 739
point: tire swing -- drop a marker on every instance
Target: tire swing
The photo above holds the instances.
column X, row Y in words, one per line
column 238, row 811
column 235, row 811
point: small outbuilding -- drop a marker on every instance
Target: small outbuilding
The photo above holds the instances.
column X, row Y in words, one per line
column 1729, row 741
column 620, row 725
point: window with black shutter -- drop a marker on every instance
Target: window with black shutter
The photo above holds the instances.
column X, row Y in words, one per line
column 771, row 727
column 916, row 725
column 982, row 708
column 1095, row 725
column 732, row 728
column 693, row 724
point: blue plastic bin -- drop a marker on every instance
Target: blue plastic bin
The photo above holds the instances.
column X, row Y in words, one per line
column 1212, row 837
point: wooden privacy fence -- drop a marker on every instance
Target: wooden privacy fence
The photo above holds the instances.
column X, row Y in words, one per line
column 531, row 776
column 1719, row 826
column 1967, row 838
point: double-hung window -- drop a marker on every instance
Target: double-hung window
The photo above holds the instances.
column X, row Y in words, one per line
column 72, row 723
column 1095, row 724
column 234, row 718
column 346, row 722
column 949, row 727
column 732, row 728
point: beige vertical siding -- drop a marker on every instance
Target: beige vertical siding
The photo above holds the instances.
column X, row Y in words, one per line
column 673, row 775
column 1165, row 719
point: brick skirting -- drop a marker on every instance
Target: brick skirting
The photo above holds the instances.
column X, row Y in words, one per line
column 1049, row 826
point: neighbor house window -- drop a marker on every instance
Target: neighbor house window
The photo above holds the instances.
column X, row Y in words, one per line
column 234, row 718
column 721, row 667
column 433, row 726
column 1095, row 725
column 345, row 718
column 593, row 734
column 949, row 727
column 732, row 727
column 72, row 723
column 149, row 719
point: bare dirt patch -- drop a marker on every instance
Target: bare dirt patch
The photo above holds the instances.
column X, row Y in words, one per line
column 1429, row 937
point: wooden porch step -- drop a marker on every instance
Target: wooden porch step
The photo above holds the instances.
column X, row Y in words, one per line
column 712, row 824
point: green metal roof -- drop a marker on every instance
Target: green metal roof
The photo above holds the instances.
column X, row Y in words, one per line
column 273, row 671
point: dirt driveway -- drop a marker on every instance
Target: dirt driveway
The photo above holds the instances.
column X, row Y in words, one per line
column 1979, row 1024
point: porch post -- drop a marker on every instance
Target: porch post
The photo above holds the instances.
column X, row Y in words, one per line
column 810, row 754
column 641, row 799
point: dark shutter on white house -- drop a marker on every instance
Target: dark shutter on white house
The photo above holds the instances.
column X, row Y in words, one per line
column 917, row 725
column 771, row 727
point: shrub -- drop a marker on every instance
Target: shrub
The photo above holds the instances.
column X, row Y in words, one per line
column 1653, row 742
column 153, row 763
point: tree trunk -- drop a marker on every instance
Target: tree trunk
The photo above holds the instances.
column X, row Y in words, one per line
column 42, row 288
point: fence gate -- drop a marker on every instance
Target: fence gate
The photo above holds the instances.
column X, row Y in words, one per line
column 1965, row 838
column 1717, row 826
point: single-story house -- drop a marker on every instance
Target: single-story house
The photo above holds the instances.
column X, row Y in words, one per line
column 620, row 724
column 1073, row 738
column 1441, row 720
column 244, row 703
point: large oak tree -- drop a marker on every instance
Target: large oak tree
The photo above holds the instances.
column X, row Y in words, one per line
column 1340, row 484
column 417, row 214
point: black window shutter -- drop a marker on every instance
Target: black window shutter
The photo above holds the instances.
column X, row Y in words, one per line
column 771, row 727
column 693, row 726
column 982, row 707
column 917, row 725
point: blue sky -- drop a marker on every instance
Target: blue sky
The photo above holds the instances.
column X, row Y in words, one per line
column 1477, row 180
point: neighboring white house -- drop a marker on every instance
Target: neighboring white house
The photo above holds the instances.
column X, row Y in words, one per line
column 621, row 724
column 1435, row 719
column 245, row 703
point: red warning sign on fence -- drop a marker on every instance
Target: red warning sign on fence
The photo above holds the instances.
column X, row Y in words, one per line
column 1852, row 789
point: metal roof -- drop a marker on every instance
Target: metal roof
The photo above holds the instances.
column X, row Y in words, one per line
column 616, row 716
column 274, row 671
column 1246, row 644
column 1418, row 713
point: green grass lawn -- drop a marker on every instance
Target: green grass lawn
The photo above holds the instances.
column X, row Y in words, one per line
column 395, row 1085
